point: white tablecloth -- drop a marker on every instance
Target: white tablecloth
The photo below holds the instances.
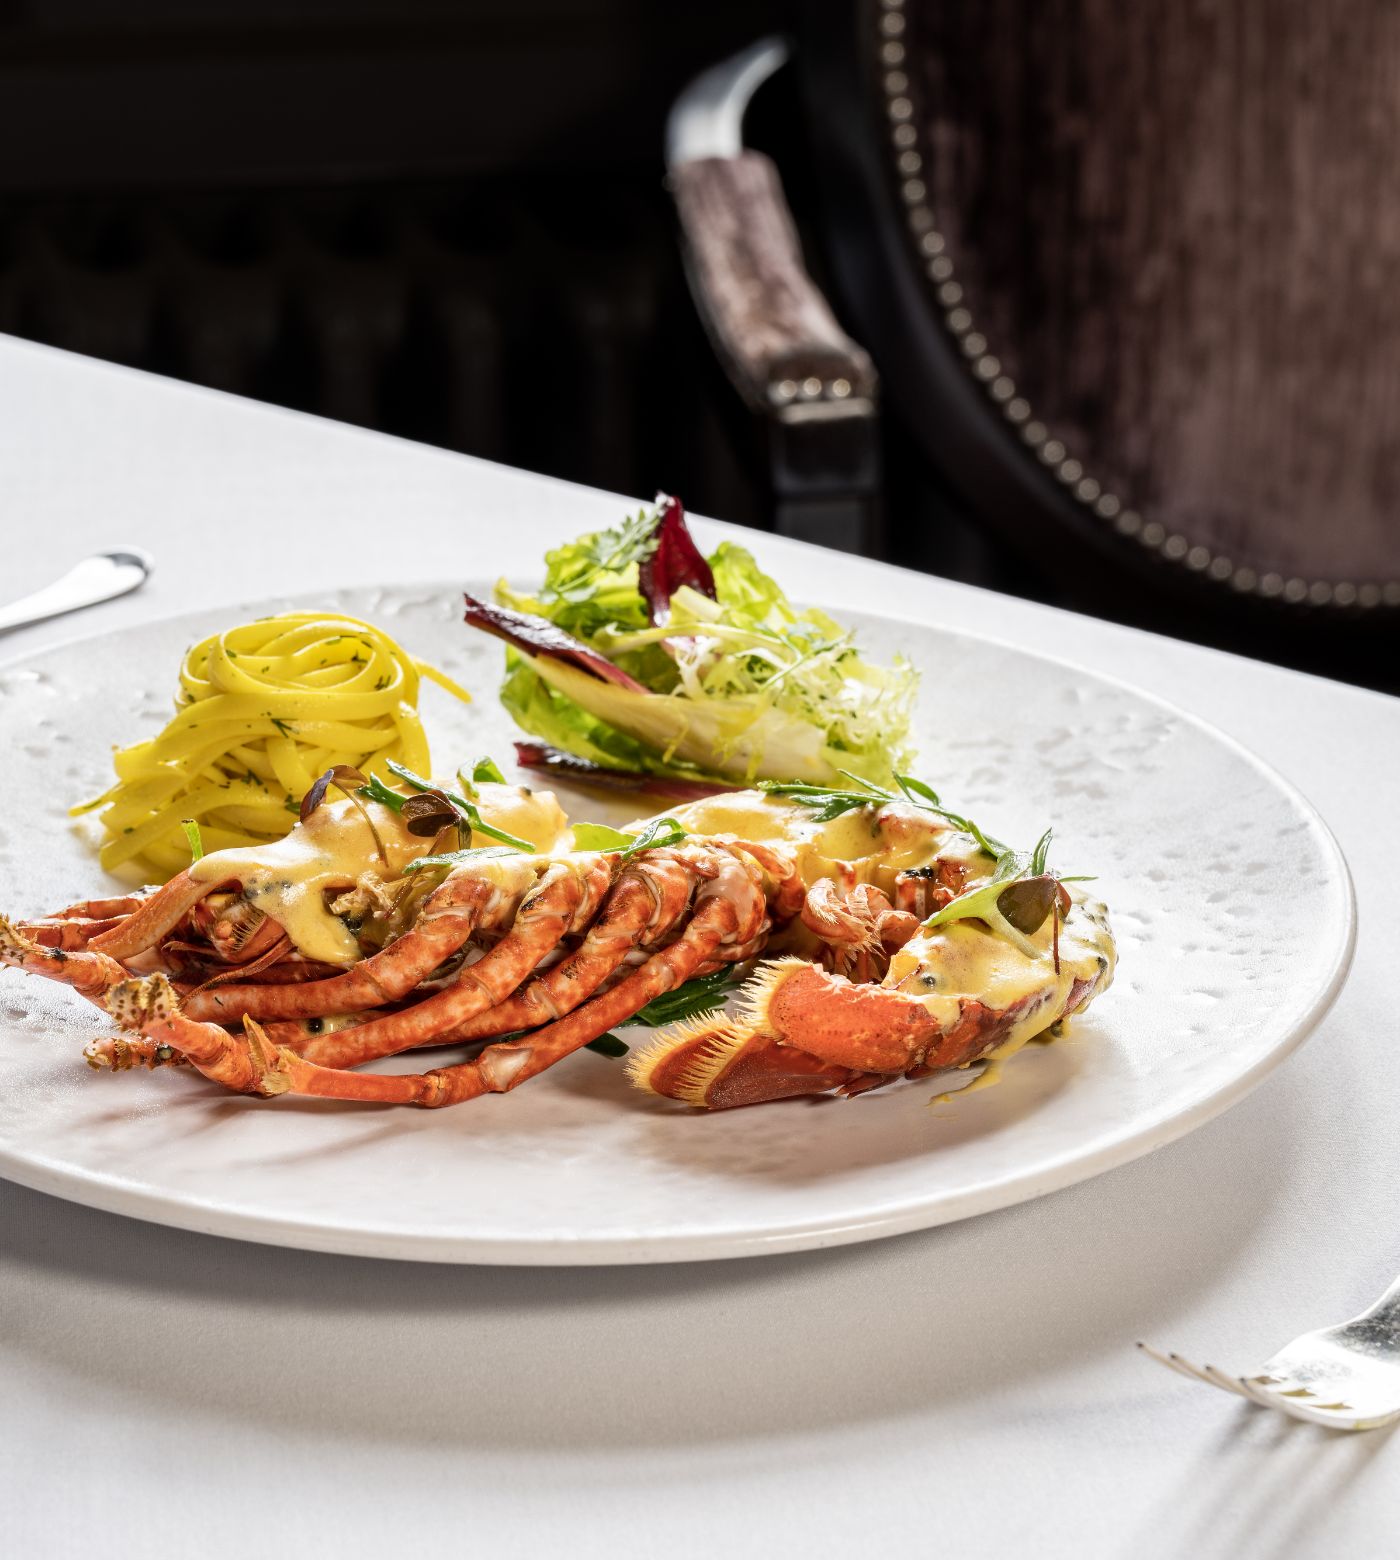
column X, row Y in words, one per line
column 969, row 1390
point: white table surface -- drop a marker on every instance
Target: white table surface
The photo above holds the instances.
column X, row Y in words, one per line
column 972, row 1390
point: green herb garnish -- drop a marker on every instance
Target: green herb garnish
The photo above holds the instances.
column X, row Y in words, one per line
column 608, row 1045
column 991, row 900
column 1014, row 901
column 455, row 858
column 191, row 829
column 830, row 803
column 603, row 553
column 405, row 773
column 701, row 994
column 1039, row 854
column 374, row 790
column 598, row 836
column 487, row 769
column 467, row 810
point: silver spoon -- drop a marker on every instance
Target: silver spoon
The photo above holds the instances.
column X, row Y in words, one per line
column 99, row 578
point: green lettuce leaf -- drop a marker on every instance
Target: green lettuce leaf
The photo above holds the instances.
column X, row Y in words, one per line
column 741, row 688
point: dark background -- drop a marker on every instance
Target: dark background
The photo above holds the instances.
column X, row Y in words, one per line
column 447, row 221
column 444, row 221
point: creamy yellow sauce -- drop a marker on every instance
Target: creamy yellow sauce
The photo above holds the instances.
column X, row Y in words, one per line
column 966, row 961
column 948, row 965
column 876, row 845
column 291, row 879
column 530, row 815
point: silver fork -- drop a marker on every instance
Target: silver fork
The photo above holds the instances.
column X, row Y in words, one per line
column 1347, row 1377
column 99, row 578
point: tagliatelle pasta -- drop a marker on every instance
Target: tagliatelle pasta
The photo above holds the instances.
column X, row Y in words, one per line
column 263, row 709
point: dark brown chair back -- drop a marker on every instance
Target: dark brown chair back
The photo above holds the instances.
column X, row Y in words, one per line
column 1132, row 273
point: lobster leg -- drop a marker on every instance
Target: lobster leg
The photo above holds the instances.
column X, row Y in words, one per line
column 89, row 974
column 148, row 1005
column 728, row 911
column 856, row 927
column 120, row 1053
column 565, row 899
column 646, row 902
column 101, row 909
column 68, row 932
column 503, row 1067
column 459, row 907
column 154, row 917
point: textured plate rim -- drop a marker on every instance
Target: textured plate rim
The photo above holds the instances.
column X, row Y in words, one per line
column 111, row 1194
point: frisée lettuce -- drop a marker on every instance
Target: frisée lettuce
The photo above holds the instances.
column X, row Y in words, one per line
column 690, row 667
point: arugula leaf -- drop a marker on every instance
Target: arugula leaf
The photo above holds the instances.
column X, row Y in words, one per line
column 455, row 858
column 598, row 836
column 983, row 902
column 700, row 994
column 608, row 1045
column 825, row 802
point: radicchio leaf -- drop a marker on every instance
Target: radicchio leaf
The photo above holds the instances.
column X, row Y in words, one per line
column 583, row 771
column 538, row 636
column 674, row 561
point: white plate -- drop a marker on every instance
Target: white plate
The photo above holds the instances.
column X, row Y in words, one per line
column 1231, row 901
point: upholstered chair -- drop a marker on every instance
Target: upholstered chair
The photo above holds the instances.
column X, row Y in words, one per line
column 1128, row 275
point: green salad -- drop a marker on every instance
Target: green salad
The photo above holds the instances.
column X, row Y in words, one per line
column 638, row 654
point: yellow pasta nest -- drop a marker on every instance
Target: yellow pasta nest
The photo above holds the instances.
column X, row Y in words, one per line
column 263, row 709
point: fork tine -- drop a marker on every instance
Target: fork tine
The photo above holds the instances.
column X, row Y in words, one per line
column 1169, row 1360
column 1233, row 1384
column 1307, row 1408
column 1184, row 1367
column 1195, row 1371
column 1253, row 1388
